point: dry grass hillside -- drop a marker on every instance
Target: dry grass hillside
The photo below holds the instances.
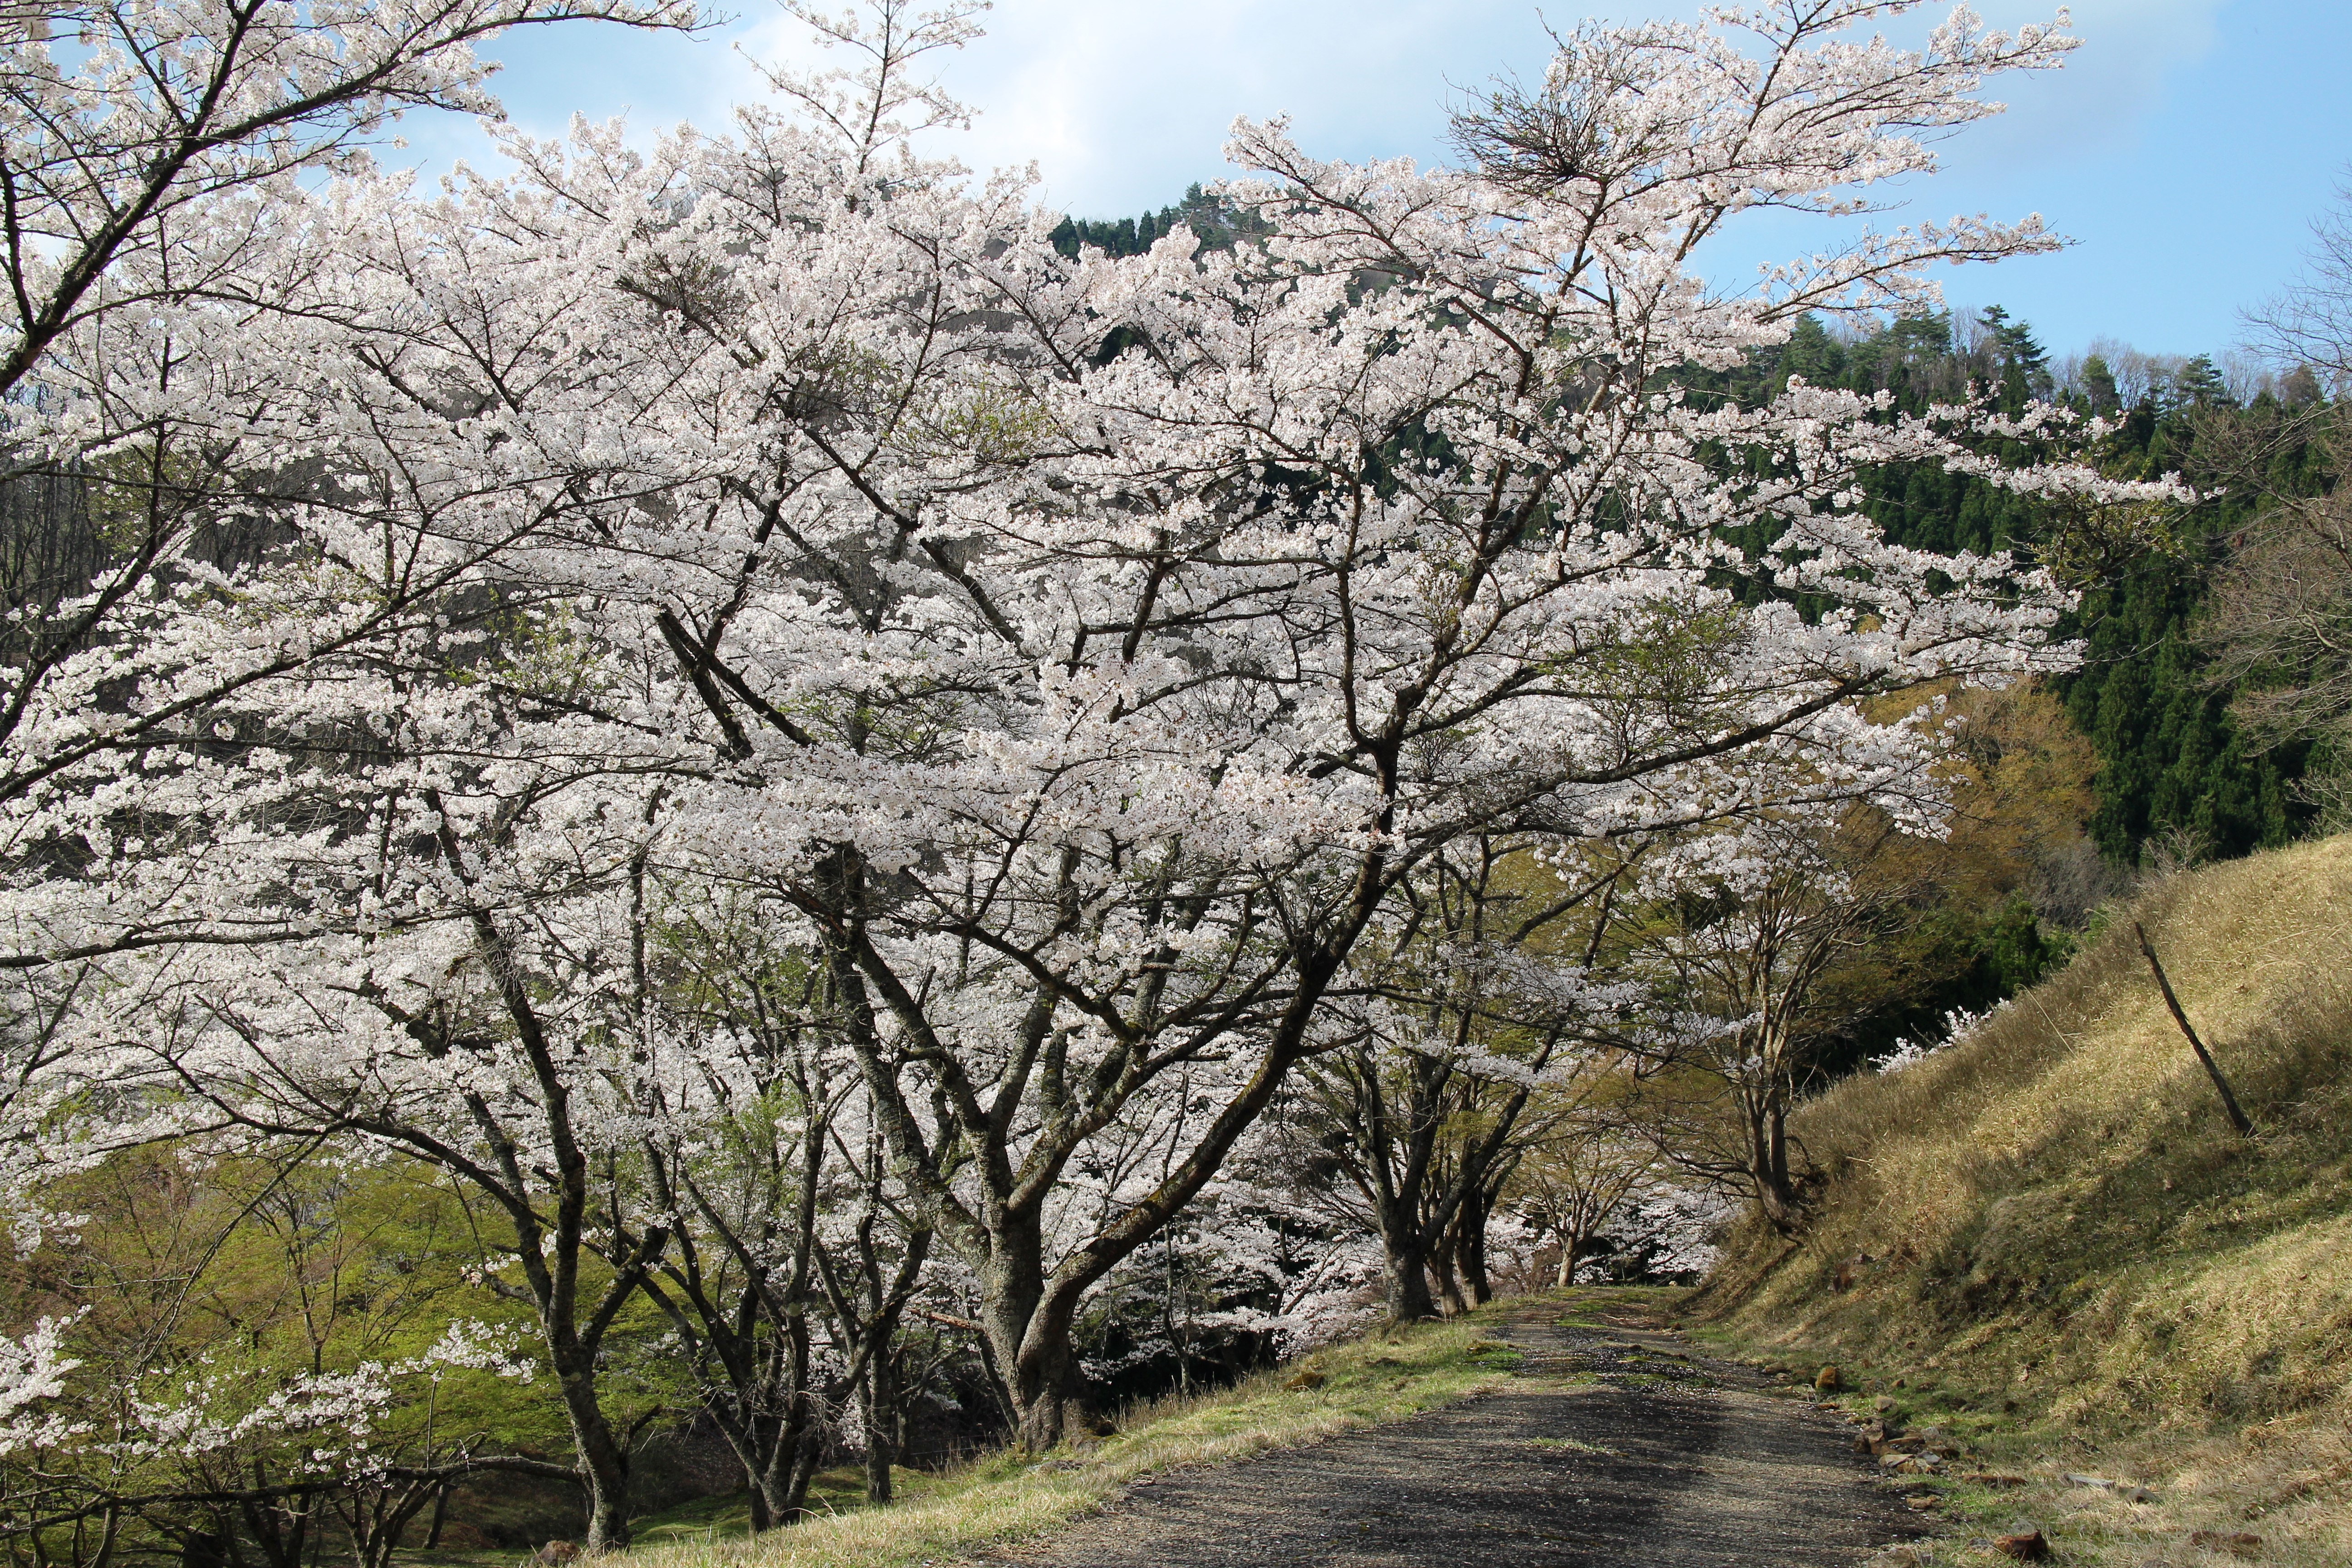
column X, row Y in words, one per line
column 2053, row 1241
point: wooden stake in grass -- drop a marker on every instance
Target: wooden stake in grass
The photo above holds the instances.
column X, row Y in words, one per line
column 2228, row 1102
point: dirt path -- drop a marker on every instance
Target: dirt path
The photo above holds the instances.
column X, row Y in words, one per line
column 1662, row 1461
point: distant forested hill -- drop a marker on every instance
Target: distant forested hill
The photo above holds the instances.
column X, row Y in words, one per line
column 1217, row 222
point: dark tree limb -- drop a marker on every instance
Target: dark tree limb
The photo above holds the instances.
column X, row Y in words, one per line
column 2228, row 1100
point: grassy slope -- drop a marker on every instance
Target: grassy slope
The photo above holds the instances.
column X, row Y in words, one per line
column 1004, row 1498
column 2071, row 1258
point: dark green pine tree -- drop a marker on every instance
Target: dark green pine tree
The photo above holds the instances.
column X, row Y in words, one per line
column 2173, row 764
column 2099, row 393
column 1214, row 222
column 2021, row 366
column 2200, row 385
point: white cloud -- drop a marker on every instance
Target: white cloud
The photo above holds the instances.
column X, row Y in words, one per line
column 2111, row 88
column 1121, row 103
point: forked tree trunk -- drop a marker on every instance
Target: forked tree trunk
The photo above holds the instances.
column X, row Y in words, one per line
column 873, row 1328
column 1025, row 1314
column 1040, row 1387
column 1029, row 1330
column 603, row 1463
column 769, row 1445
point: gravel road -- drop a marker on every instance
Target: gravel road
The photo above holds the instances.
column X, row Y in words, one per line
column 1661, row 1460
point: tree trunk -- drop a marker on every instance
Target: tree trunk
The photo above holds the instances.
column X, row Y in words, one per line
column 1767, row 1166
column 377, row 1521
column 1449, row 1287
column 604, row 1465
column 876, row 1340
column 773, row 1495
column 1470, row 1246
column 1406, row 1281
column 1030, row 1333
column 764, row 1445
column 1040, row 1390
column 440, row 1516
column 779, row 1484
column 1025, row 1317
column 881, row 1418
column 792, row 1454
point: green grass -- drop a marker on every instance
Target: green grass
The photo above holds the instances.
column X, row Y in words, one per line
column 836, row 1490
column 2059, row 1249
column 1007, row 1497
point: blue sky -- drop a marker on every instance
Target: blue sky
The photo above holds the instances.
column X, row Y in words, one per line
column 2186, row 147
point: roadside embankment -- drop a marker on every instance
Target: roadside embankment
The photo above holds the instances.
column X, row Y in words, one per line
column 1008, row 1497
column 2049, row 1242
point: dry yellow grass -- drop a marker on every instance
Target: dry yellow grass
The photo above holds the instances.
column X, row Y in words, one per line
column 1007, row 1497
column 2066, row 1253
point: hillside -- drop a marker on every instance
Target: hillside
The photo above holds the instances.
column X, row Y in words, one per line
column 2051, row 1240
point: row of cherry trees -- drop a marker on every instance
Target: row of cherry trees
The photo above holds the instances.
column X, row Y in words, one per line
column 697, row 671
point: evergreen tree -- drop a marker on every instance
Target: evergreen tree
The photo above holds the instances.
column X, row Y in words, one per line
column 1214, row 222
column 2200, row 385
column 2099, row 387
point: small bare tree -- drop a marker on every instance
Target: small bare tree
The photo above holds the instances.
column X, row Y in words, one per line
column 2310, row 323
column 2279, row 623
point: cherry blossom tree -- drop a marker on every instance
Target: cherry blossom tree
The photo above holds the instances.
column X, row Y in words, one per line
column 793, row 1260
column 374, row 870
column 1469, row 1048
column 96, row 1451
column 147, row 160
column 225, row 1354
column 1096, row 647
column 150, row 166
column 1573, row 1188
column 1077, row 659
column 1748, row 921
column 125, row 126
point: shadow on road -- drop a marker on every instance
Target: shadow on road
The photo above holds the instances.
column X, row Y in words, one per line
column 1621, row 1449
